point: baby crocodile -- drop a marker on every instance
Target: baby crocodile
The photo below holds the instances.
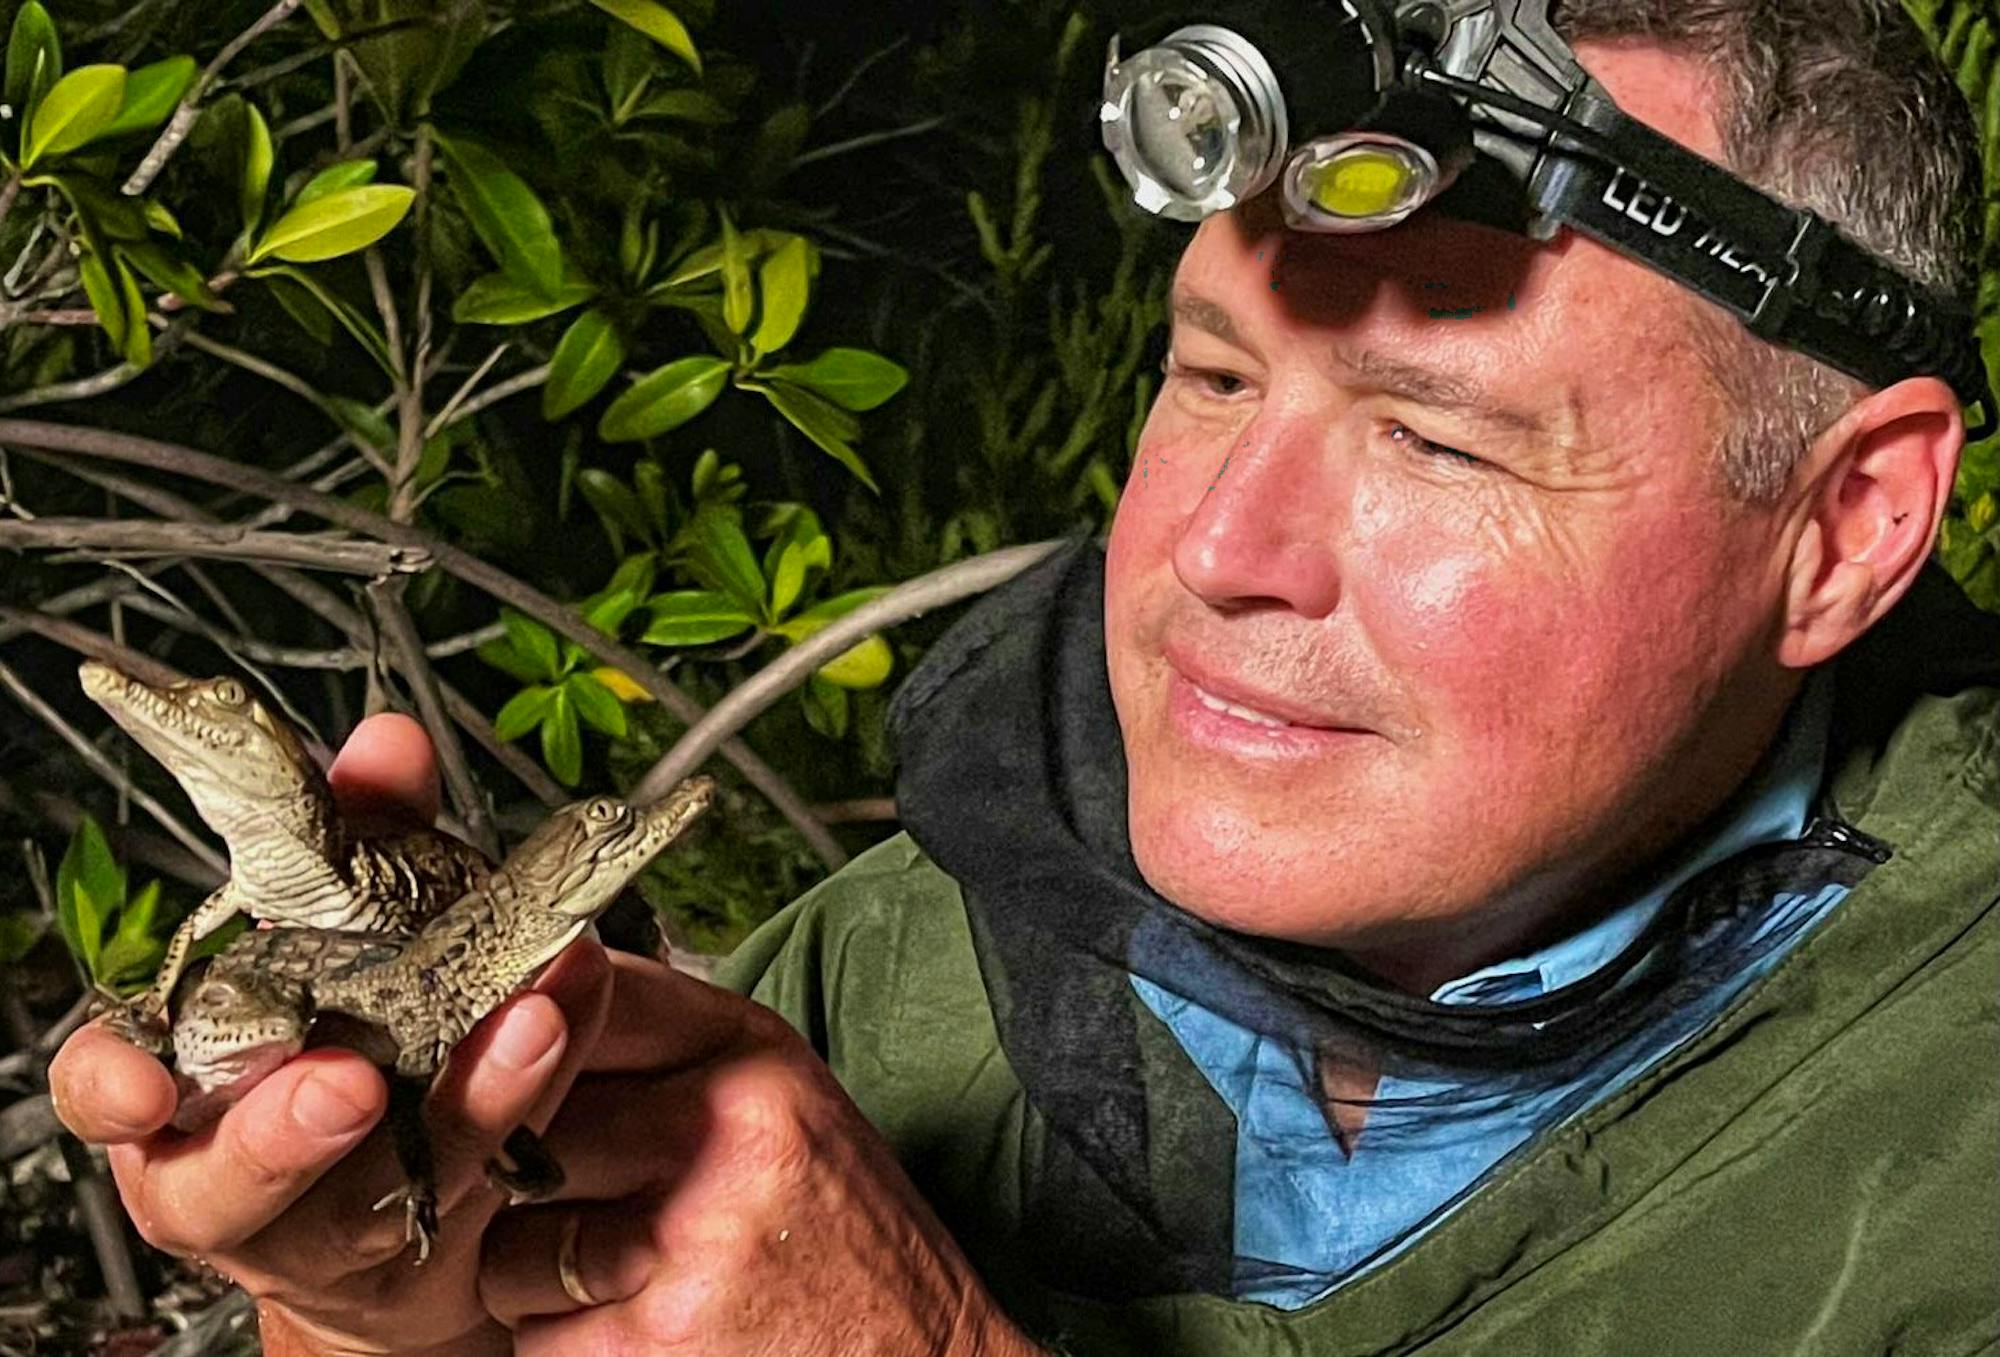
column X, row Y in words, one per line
column 291, row 860
column 250, row 1010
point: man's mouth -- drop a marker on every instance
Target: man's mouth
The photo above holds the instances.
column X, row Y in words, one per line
column 1214, row 703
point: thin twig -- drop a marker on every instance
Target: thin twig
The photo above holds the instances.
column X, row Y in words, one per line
column 867, row 140
column 135, row 536
column 493, row 395
column 449, row 412
column 129, row 844
column 292, row 382
column 84, row 641
column 104, row 768
column 954, row 582
column 406, row 652
column 36, row 436
column 183, row 121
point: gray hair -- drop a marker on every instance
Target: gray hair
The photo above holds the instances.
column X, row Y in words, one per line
column 1833, row 105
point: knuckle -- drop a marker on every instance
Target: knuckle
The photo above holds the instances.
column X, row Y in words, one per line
column 758, row 1104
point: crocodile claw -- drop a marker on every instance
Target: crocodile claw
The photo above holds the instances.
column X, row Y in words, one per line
column 143, row 1023
column 534, row 1175
column 420, row 1217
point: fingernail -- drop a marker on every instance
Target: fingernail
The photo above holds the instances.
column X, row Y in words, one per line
column 527, row 1034
column 321, row 1108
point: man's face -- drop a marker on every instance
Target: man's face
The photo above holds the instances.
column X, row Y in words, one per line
column 1445, row 501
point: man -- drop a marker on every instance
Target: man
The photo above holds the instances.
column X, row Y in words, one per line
column 1513, row 871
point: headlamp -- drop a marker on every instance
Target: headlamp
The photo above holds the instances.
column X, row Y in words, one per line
column 1359, row 112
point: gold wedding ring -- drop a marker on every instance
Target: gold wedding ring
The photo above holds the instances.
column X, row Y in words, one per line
column 566, row 1268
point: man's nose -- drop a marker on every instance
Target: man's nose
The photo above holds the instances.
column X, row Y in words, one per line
column 1269, row 522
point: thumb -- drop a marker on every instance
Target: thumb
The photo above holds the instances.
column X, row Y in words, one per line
column 385, row 777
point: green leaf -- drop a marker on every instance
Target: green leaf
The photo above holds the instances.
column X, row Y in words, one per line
column 258, row 158
column 533, row 640
column 106, row 297
column 81, row 105
column 596, row 704
column 497, row 299
column 656, row 22
column 721, row 558
column 629, row 66
column 614, row 504
column 170, row 273
column 304, row 307
column 138, row 345
column 353, row 321
column 587, row 357
column 664, row 399
column 826, row 706
column 789, row 579
column 649, row 483
column 340, row 223
column 738, row 295
column 608, row 610
column 90, row 889
column 34, row 61
column 510, row 219
column 695, row 617
column 133, row 953
column 853, row 379
column 690, row 106
column 562, row 743
column 865, row 665
column 634, row 575
column 784, row 285
column 502, row 655
column 823, row 422
column 420, row 47
column 332, row 179
column 523, row 712
column 828, row 610
column 372, row 427
column 151, row 92
column 19, row 932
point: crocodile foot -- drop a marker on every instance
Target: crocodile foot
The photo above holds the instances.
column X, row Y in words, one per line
column 534, row 1175
column 420, row 1216
column 143, row 1023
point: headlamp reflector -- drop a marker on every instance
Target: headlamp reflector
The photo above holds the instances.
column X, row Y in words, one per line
column 1360, row 181
column 1195, row 122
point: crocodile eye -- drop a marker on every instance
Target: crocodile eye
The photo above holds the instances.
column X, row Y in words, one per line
column 229, row 692
column 605, row 810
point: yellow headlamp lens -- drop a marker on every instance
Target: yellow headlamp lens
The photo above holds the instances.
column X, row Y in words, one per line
column 1363, row 181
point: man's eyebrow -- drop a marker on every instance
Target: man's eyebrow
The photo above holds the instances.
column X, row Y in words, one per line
column 1457, row 393
column 1206, row 315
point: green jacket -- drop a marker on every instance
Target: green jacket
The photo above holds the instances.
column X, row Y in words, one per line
column 1818, row 1173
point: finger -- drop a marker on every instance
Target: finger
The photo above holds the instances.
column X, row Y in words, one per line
column 618, row 1135
column 516, row 1066
column 520, row 1057
column 385, row 777
column 662, row 1019
column 520, row 1270
column 108, row 1091
column 210, row 1191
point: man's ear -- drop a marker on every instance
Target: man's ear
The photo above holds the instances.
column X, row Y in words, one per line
column 1871, row 513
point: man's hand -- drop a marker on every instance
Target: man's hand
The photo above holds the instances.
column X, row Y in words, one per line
column 723, row 1196
column 277, row 1196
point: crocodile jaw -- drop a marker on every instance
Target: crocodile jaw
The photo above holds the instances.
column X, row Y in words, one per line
column 226, row 756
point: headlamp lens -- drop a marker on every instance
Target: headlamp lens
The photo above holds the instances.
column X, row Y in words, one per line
column 1195, row 123
column 1358, row 182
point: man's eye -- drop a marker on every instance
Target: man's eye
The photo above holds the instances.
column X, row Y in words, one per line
column 1409, row 437
column 1208, row 380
